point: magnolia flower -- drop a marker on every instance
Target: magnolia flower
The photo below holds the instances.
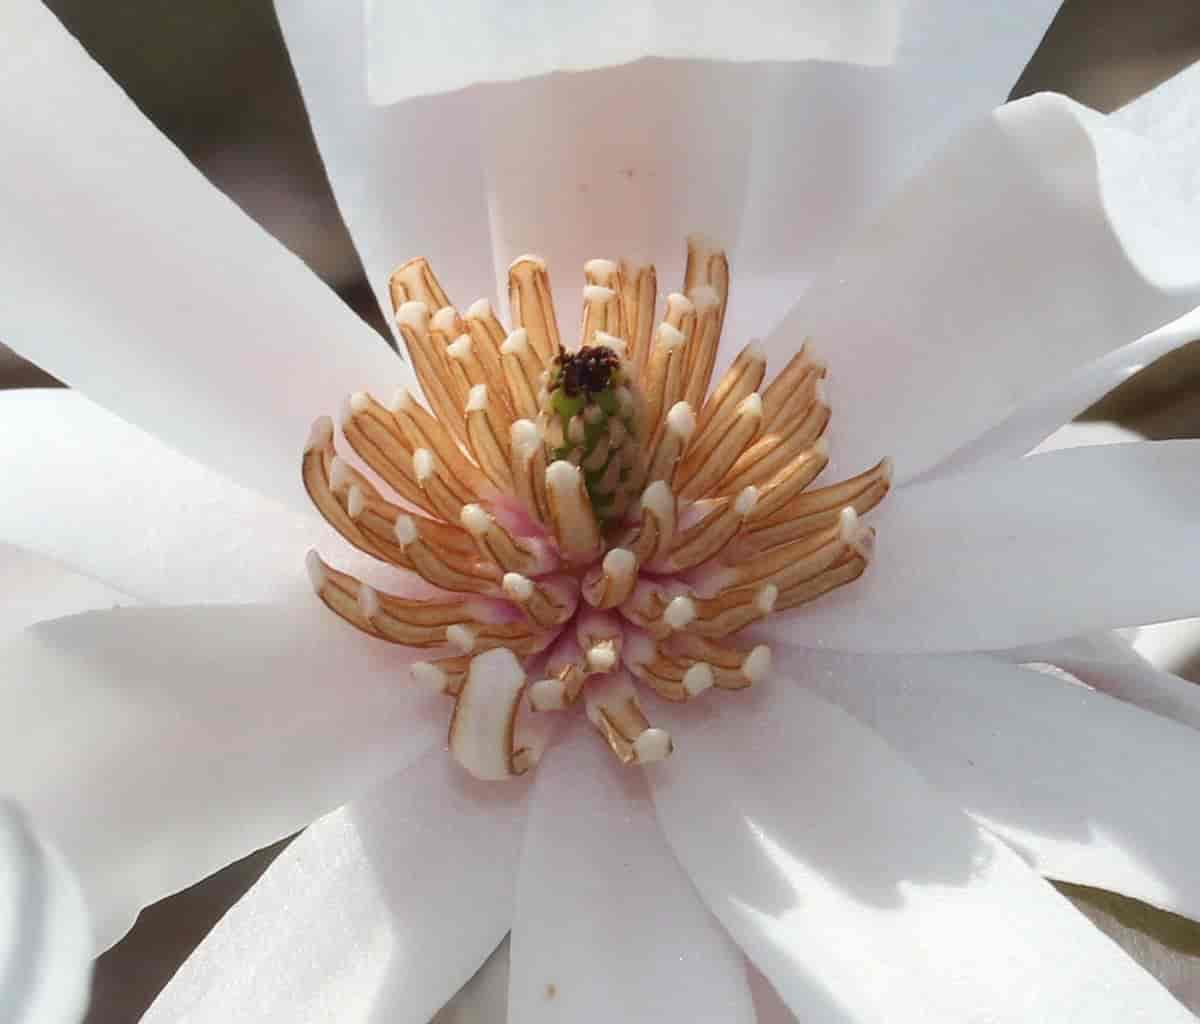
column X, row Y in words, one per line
column 859, row 834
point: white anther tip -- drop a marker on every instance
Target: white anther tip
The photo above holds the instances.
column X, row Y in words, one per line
column 345, row 413
column 757, row 664
column 475, row 519
column 428, row 676
column 459, row 348
column 548, row 695
column 821, row 391
column 402, row 400
column 751, row 405
column 316, row 571
column 755, row 351
column 679, row 304
column 480, row 309
column 620, row 563
column 746, row 501
column 368, row 601
column 606, row 340
column 668, row 337
column 319, row 434
column 848, row 525
column 886, row 469
column 600, row 268
column 652, row 745
column 444, row 320
column 355, row 501
column 602, row 657
column 516, row 342
column 765, row 599
column 679, row 612
column 461, row 637
column 531, row 259
column 697, row 679
column 477, row 399
column 562, row 474
column 414, row 315
column 681, row 421
column 659, row 500
column 598, row 293
column 704, row 297
column 516, row 586
column 423, row 464
column 525, row 437
column 405, row 530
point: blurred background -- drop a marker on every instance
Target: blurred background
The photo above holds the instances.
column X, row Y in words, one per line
column 215, row 77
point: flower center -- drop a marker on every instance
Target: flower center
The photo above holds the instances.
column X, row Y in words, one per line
column 569, row 522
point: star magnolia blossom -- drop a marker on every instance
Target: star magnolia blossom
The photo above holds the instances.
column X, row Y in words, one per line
column 864, row 832
column 606, row 529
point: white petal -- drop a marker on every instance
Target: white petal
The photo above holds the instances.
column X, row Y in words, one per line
column 1040, row 240
column 1107, row 663
column 379, row 911
column 407, row 44
column 1023, row 551
column 822, row 852
column 777, row 160
column 1089, row 789
column 45, row 951
column 1169, row 115
column 33, row 589
column 607, row 926
column 158, row 745
column 1033, row 426
column 131, row 278
column 95, row 494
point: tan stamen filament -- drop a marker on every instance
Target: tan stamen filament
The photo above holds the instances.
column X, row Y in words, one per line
column 621, row 522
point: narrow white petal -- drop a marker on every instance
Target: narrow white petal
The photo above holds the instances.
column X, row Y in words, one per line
column 127, row 275
column 1023, row 551
column 157, row 745
column 45, row 942
column 1109, row 664
column 1043, row 238
column 379, row 911
column 607, row 926
column 1089, row 789
column 35, row 589
column 87, row 490
column 1168, row 115
column 821, row 852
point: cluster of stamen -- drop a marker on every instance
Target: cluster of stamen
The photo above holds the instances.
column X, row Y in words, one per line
column 570, row 521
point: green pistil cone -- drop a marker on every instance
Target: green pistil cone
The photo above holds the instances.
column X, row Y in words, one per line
column 590, row 421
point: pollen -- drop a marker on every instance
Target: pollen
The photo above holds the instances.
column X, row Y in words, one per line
column 587, row 520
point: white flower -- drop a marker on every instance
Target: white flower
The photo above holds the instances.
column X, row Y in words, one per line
column 867, row 825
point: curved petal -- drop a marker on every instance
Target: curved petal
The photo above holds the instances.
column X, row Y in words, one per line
column 378, row 912
column 45, row 953
column 777, row 160
column 33, row 589
column 1090, row 790
column 1040, row 240
column 821, row 851
column 1033, row 425
column 407, row 43
column 1106, row 662
column 1019, row 552
column 607, row 926
column 1167, row 115
column 109, row 501
column 157, row 745
column 128, row 276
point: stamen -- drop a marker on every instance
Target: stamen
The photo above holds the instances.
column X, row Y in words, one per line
column 377, row 439
column 613, row 708
column 657, row 530
column 488, row 433
column 791, row 480
column 529, row 469
column 796, row 378
column 571, row 516
column 740, row 380
column 521, row 372
column 429, row 362
column 713, row 533
column 664, row 371
column 439, row 567
column 611, row 582
column 531, row 556
column 705, row 464
column 639, row 291
column 732, row 668
column 532, row 307
column 487, row 337
column 464, row 479
column 702, row 352
column 483, row 726
column 680, row 425
column 601, row 312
